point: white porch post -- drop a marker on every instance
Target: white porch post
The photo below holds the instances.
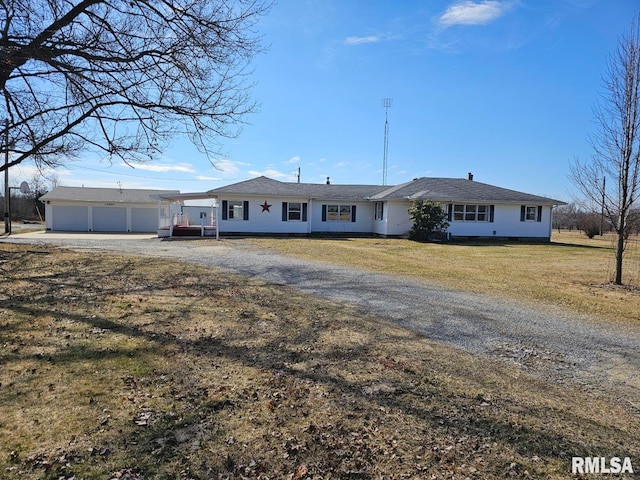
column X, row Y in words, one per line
column 218, row 218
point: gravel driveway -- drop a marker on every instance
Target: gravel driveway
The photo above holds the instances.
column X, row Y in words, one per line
column 551, row 343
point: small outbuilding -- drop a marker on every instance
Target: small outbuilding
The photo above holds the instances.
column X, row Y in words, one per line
column 80, row 209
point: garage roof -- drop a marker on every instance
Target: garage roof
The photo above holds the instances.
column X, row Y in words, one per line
column 115, row 195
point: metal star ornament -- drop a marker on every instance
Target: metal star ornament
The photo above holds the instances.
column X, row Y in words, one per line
column 265, row 207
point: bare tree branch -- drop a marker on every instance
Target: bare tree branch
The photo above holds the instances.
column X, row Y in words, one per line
column 123, row 76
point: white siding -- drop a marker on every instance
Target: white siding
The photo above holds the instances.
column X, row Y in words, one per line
column 263, row 220
column 363, row 223
column 506, row 224
column 399, row 222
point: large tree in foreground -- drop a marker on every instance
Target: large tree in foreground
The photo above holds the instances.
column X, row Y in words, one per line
column 122, row 77
column 616, row 145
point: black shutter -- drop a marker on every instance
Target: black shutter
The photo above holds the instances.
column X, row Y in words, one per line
column 225, row 210
column 450, row 211
column 539, row 219
column 304, row 212
column 245, row 210
column 523, row 212
column 324, row 213
column 284, row 211
column 492, row 210
column 353, row 213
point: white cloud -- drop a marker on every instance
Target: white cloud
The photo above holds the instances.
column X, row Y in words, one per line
column 208, row 179
column 228, row 167
column 361, row 40
column 473, row 13
column 295, row 159
column 184, row 167
column 275, row 174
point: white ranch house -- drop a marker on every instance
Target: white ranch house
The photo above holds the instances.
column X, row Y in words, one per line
column 263, row 206
column 270, row 207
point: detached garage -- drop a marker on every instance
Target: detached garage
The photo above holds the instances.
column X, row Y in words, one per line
column 80, row 209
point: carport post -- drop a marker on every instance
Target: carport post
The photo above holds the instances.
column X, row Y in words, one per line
column 217, row 218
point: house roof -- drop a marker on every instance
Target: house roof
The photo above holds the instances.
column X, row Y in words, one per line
column 115, row 195
column 435, row 189
column 269, row 187
column 459, row 190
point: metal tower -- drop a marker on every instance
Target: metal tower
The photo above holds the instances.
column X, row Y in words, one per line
column 386, row 104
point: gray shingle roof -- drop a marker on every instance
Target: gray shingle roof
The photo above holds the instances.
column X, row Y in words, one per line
column 269, row 187
column 459, row 190
column 115, row 195
column 435, row 189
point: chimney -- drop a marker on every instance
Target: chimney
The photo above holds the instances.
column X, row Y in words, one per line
column 328, row 181
column 469, row 176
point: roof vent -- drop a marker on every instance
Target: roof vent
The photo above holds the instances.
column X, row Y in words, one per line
column 328, row 181
column 469, row 176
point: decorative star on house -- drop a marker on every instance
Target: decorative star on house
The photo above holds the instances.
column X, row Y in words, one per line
column 265, row 207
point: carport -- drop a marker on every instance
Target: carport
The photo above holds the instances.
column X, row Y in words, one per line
column 175, row 224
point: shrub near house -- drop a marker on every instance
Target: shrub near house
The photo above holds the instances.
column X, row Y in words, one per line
column 428, row 218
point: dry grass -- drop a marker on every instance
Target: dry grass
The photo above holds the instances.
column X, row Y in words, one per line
column 572, row 271
column 115, row 367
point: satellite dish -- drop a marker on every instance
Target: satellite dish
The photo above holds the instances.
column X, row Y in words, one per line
column 24, row 188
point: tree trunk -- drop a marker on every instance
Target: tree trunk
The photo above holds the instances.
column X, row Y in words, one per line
column 620, row 250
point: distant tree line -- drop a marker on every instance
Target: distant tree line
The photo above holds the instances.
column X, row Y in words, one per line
column 573, row 217
column 27, row 206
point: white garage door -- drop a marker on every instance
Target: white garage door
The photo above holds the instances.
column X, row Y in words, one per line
column 109, row 219
column 71, row 219
column 144, row 220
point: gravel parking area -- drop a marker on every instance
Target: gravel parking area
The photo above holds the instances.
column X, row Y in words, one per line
column 551, row 343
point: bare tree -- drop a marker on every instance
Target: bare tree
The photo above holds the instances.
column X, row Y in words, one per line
column 122, row 76
column 616, row 145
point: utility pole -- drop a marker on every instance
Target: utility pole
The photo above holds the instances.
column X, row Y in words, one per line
column 604, row 184
column 7, row 191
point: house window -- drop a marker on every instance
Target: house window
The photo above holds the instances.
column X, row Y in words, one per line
column 295, row 211
column 379, row 211
column 345, row 213
column 235, row 210
column 332, row 213
column 472, row 213
column 531, row 213
column 338, row 213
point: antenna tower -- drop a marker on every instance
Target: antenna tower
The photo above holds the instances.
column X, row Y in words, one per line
column 386, row 104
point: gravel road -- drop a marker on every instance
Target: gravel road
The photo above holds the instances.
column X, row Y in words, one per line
column 551, row 343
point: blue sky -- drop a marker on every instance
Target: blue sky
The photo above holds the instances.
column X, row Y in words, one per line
column 501, row 88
